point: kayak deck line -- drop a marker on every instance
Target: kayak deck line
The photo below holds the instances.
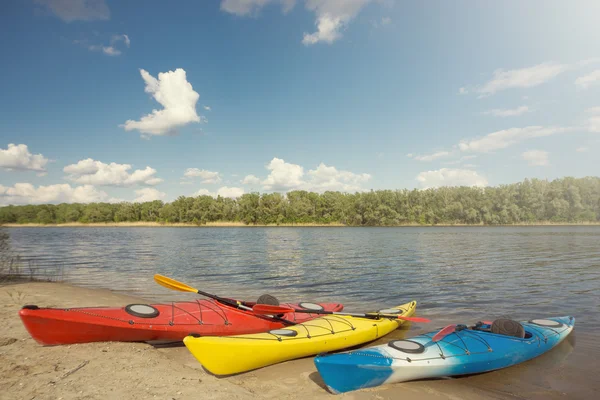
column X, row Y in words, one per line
column 462, row 352
column 230, row 355
column 149, row 322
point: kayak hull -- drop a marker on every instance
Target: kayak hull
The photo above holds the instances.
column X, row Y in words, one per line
column 165, row 322
column 240, row 353
column 460, row 353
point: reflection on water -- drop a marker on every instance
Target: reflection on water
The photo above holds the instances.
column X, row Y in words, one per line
column 468, row 272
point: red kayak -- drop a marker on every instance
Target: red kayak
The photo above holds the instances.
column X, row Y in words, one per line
column 144, row 322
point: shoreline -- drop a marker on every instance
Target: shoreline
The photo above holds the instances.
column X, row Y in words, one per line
column 286, row 225
column 139, row 370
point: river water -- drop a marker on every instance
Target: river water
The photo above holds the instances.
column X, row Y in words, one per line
column 466, row 273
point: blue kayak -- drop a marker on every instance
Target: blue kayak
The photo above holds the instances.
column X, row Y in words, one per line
column 463, row 350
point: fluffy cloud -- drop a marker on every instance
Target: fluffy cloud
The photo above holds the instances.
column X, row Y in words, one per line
column 497, row 112
column 325, row 178
column 332, row 17
column 286, row 176
column 225, row 191
column 109, row 50
column 250, row 180
column 461, row 160
column 120, row 38
column 251, row 7
column 18, row 157
column 26, row 193
column 594, row 119
column 431, row 157
column 536, row 157
column 204, row 175
column 504, row 138
column 584, row 82
column 521, row 78
column 148, row 194
column 77, row 10
column 450, row 177
column 93, row 172
column 283, row 176
column 232, row 192
column 176, row 95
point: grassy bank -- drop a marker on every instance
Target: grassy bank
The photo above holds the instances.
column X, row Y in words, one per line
column 226, row 224
column 15, row 269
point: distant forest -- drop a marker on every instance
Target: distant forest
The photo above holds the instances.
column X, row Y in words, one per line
column 531, row 201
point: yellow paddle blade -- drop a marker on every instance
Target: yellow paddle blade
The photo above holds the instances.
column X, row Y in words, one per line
column 173, row 284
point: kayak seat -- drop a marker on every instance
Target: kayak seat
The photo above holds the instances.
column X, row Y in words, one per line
column 508, row 327
column 267, row 299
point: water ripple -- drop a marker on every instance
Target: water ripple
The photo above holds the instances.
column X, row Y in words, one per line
column 479, row 271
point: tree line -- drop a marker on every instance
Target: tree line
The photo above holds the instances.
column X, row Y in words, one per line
column 531, row 201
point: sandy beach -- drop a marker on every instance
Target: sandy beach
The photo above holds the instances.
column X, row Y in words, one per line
column 140, row 370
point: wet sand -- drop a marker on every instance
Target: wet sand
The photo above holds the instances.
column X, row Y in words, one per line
column 140, row 370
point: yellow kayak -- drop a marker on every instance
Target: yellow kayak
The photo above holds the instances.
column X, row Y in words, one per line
column 234, row 354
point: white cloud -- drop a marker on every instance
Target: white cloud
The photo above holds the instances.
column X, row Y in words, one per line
column 386, row 21
column 505, row 138
column 593, row 78
column 207, row 108
column 110, row 51
column 409, row 155
column 148, row 194
column 250, row 180
column 431, row 157
column 450, row 177
column 522, row 78
column 463, row 90
column 206, row 176
column 176, row 95
column 252, row 7
column 582, row 149
column 74, row 10
column 593, row 110
column 498, row 112
column 536, row 157
column 594, row 120
column 332, row 17
column 461, row 160
column 93, row 172
column 231, row 192
column 325, row 178
column 204, row 192
column 118, row 38
column 18, row 157
column 283, row 176
column 26, row 193
column 225, row 191
column 286, row 176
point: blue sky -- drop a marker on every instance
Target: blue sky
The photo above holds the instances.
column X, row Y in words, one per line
column 277, row 95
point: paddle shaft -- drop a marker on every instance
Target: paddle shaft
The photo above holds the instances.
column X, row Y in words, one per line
column 360, row 315
column 267, row 309
column 225, row 301
column 243, row 307
column 182, row 287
